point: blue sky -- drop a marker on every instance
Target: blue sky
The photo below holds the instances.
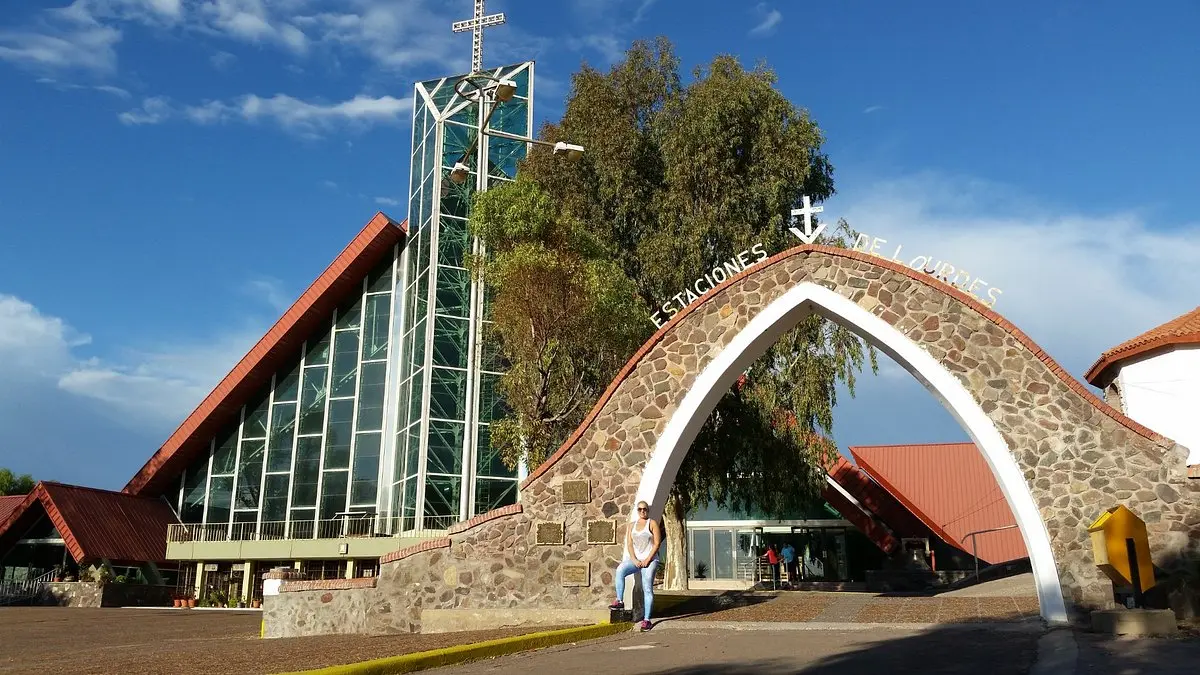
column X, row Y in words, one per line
column 173, row 173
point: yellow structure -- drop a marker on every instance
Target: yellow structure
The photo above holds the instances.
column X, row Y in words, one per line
column 1110, row 550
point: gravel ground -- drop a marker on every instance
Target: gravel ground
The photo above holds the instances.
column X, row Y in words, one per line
column 55, row 640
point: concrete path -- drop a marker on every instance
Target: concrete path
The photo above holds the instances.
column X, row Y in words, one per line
column 714, row 649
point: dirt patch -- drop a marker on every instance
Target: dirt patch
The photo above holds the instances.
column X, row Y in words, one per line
column 57, row 640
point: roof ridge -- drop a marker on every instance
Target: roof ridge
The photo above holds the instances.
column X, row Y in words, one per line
column 73, row 486
column 914, row 445
column 1181, row 330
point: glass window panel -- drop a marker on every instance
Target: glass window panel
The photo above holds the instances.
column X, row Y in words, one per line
column 468, row 115
column 453, row 291
column 450, row 342
column 250, row 474
column 287, row 384
column 457, row 135
column 453, row 242
column 283, row 431
column 365, row 476
column 441, row 501
column 349, row 315
column 702, row 554
column 491, row 494
column 418, row 388
column 418, row 299
column 487, row 459
column 722, row 554
column 410, row 498
column 318, row 351
column 448, row 394
column 380, row 278
column 378, row 325
column 456, row 199
column 302, row 526
column 345, row 363
column 312, row 400
column 431, row 190
column 445, row 447
column 275, row 498
column 225, row 455
column 333, row 494
column 414, row 255
column 432, row 175
column 413, row 461
column 370, row 396
column 414, row 179
column 491, row 403
column 503, row 157
column 337, row 434
column 255, row 425
column 308, row 466
column 193, row 492
column 220, row 494
column 419, row 339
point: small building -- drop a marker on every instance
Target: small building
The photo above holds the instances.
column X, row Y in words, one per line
column 1154, row 378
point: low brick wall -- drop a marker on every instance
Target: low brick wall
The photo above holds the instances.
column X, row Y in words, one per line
column 87, row 594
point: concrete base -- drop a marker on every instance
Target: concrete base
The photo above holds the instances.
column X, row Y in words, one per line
column 1140, row 622
column 453, row 620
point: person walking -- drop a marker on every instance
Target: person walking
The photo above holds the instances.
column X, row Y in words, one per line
column 772, row 556
column 641, row 553
column 789, row 559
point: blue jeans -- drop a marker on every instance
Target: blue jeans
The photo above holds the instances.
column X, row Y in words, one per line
column 625, row 569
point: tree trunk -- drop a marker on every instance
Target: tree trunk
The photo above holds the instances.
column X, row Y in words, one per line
column 675, row 526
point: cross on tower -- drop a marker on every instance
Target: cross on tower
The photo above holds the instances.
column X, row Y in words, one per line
column 476, row 25
column 808, row 235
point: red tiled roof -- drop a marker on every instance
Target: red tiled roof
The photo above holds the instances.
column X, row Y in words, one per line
column 9, row 504
column 95, row 524
column 272, row 352
column 1183, row 330
column 950, row 487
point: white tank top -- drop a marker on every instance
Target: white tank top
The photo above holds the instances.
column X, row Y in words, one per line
column 643, row 542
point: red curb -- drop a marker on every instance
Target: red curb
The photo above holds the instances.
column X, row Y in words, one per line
column 427, row 545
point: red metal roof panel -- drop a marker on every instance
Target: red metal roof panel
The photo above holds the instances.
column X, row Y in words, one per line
column 8, row 505
column 950, row 487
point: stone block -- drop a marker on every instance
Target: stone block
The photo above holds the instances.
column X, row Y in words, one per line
column 1137, row 622
column 576, row 492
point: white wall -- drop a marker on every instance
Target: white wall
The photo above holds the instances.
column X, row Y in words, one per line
column 1163, row 393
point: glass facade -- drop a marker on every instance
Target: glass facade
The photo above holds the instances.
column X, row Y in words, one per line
column 382, row 419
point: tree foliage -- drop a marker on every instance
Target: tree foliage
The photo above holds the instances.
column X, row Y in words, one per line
column 677, row 178
column 12, row 484
column 564, row 313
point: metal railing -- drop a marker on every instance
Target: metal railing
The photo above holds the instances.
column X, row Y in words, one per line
column 975, row 546
column 343, row 527
column 19, row 591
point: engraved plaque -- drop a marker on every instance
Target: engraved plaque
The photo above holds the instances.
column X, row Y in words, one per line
column 576, row 492
column 576, row 574
column 550, row 534
column 601, row 532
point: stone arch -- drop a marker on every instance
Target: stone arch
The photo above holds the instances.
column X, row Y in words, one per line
column 786, row 312
column 557, row 548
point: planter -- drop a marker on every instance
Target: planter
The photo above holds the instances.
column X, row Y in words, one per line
column 256, row 604
column 178, row 602
column 191, row 602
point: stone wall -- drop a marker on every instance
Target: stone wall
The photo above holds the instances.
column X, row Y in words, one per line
column 1078, row 455
column 88, row 594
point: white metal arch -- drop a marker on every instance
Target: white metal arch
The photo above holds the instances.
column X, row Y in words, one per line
column 780, row 316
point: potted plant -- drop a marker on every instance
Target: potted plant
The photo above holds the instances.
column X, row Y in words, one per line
column 256, row 603
column 178, row 602
column 191, row 602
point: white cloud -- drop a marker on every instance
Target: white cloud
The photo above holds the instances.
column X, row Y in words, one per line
column 1077, row 283
column 62, row 39
column 271, row 291
column 770, row 20
column 70, row 86
column 156, row 386
column 222, row 60
column 872, row 108
column 609, row 45
column 303, row 118
column 387, row 201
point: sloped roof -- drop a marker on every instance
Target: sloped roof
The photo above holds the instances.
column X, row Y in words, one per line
column 95, row 524
column 281, row 343
column 950, row 487
column 9, row 504
column 1182, row 330
column 853, row 508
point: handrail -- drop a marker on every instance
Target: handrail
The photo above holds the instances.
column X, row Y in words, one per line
column 975, row 544
column 343, row 527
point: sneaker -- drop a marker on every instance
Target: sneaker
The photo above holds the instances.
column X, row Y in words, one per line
column 646, row 624
column 617, row 605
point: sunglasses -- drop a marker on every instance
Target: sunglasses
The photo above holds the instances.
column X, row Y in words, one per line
column 642, row 508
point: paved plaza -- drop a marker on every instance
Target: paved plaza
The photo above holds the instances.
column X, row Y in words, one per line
column 54, row 640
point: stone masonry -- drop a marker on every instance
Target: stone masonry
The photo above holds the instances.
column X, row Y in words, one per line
column 1078, row 455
